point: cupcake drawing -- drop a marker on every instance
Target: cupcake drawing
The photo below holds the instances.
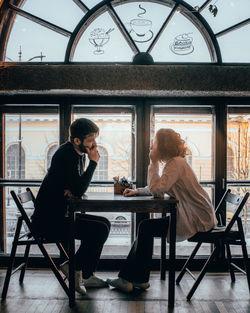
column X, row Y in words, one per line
column 183, row 44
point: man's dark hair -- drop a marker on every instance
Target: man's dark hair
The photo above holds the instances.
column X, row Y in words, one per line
column 82, row 127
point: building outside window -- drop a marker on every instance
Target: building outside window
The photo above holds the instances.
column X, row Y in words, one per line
column 15, row 164
column 50, row 153
column 101, row 172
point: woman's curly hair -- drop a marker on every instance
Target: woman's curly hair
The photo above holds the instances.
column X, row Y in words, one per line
column 169, row 144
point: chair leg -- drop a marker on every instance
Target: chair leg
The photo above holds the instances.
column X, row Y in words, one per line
column 53, row 267
column 246, row 263
column 12, row 258
column 201, row 275
column 189, row 260
column 26, row 255
column 229, row 259
column 163, row 258
column 62, row 250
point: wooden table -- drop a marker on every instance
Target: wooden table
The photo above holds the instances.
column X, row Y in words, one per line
column 108, row 202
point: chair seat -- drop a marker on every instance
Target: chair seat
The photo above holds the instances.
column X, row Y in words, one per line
column 216, row 235
column 30, row 237
column 221, row 237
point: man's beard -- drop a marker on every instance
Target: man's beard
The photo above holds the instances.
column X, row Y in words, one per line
column 82, row 148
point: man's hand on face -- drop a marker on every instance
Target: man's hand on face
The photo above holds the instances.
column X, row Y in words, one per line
column 93, row 153
column 67, row 193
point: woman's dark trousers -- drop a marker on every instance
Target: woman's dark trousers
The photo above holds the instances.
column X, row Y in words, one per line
column 138, row 263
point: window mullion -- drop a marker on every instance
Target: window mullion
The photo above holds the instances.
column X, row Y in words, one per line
column 2, row 198
column 65, row 112
column 220, row 150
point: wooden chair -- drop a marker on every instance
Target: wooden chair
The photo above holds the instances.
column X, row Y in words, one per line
column 221, row 236
column 27, row 239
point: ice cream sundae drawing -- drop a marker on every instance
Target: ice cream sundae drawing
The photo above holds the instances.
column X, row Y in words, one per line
column 183, row 44
column 98, row 38
column 140, row 28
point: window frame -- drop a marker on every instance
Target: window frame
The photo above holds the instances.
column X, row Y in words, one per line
column 143, row 116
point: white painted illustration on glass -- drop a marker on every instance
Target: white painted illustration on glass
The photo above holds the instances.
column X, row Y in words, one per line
column 140, row 28
column 183, row 44
column 98, row 38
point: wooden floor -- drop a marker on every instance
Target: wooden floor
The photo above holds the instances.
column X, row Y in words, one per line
column 41, row 292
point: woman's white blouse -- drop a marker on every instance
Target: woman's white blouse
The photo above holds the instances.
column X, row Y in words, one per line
column 195, row 211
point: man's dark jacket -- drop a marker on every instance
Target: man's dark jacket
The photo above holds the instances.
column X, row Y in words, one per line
column 66, row 172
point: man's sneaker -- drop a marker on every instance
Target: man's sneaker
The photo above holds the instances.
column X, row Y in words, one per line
column 121, row 284
column 143, row 286
column 78, row 278
column 94, row 282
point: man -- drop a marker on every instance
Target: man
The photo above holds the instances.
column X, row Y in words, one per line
column 66, row 177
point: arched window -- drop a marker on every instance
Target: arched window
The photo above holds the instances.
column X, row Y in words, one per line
column 101, row 172
column 50, row 154
column 15, row 162
column 115, row 31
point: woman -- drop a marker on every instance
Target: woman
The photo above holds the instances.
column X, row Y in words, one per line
column 195, row 212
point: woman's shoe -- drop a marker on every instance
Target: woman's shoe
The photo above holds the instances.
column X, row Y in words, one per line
column 94, row 282
column 142, row 286
column 121, row 284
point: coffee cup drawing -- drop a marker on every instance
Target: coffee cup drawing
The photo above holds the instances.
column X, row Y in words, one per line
column 141, row 26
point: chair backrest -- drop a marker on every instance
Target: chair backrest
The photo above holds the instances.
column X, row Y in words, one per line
column 20, row 199
column 237, row 201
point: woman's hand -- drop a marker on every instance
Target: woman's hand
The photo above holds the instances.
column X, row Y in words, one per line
column 153, row 155
column 130, row 192
column 93, row 153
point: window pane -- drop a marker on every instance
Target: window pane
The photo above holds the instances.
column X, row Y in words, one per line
column 234, row 45
column 143, row 21
column 65, row 14
column 238, row 146
column 115, row 148
column 90, row 3
column 181, row 41
column 195, row 3
column 196, row 130
column 34, row 41
column 115, row 140
column 28, row 141
column 229, row 13
column 102, row 41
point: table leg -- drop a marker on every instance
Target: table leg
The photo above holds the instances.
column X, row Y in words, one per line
column 163, row 255
column 172, row 247
column 71, row 259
